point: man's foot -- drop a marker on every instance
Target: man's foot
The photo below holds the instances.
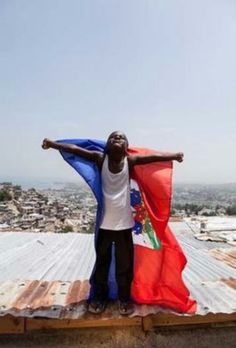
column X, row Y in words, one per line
column 97, row 307
column 126, row 307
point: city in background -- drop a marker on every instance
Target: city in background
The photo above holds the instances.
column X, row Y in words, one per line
column 70, row 207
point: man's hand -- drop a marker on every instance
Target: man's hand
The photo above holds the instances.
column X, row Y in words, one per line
column 179, row 156
column 46, row 144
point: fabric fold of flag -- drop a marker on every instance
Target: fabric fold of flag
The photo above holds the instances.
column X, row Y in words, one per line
column 158, row 258
column 158, row 273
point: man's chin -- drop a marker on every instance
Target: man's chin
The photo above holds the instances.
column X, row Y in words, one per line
column 117, row 147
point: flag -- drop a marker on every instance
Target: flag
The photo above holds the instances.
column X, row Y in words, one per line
column 158, row 258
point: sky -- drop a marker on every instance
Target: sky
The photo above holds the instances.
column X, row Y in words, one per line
column 162, row 71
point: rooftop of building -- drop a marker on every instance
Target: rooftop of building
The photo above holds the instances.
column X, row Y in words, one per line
column 46, row 275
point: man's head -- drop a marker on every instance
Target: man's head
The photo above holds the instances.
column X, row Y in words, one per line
column 117, row 142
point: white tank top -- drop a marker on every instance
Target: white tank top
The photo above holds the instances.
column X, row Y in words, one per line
column 117, row 213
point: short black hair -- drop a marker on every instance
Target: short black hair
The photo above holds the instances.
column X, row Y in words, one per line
column 118, row 131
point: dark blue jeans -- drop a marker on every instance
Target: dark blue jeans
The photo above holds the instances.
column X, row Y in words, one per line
column 124, row 254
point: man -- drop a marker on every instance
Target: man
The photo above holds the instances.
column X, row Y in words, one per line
column 115, row 165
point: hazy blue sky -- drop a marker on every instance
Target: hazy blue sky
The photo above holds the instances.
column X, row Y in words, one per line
column 163, row 71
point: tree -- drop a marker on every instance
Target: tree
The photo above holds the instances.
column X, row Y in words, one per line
column 231, row 210
column 67, row 228
column 5, row 195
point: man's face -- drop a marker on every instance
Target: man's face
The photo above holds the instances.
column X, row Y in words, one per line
column 117, row 141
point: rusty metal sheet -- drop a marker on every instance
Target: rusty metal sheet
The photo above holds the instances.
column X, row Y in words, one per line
column 230, row 282
column 228, row 256
column 43, row 298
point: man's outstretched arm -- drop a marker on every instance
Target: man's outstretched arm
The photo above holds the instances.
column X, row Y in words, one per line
column 95, row 156
column 145, row 159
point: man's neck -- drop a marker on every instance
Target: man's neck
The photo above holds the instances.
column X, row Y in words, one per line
column 116, row 157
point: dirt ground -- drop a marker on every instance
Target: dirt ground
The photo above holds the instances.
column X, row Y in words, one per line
column 124, row 338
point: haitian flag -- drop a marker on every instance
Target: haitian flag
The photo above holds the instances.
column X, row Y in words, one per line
column 158, row 258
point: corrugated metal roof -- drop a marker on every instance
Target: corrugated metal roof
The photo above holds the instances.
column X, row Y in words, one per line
column 205, row 275
column 47, row 274
column 53, row 298
column 214, row 228
column 227, row 256
column 231, row 282
column 46, row 256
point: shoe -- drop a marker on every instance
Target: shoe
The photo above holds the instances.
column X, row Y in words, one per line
column 97, row 307
column 126, row 307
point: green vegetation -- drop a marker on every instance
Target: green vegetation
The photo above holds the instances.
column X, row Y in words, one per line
column 67, row 229
column 5, row 195
column 188, row 207
column 198, row 209
column 231, row 210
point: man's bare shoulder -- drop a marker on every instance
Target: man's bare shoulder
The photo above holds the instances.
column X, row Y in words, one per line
column 99, row 158
column 131, row 161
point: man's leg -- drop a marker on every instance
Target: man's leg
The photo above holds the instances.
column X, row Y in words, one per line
column 124, row 265
column 103, row 260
